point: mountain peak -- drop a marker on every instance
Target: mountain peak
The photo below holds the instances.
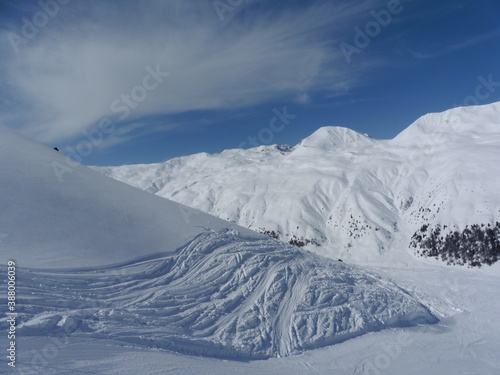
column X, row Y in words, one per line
column 331, row 137
column 461, row 121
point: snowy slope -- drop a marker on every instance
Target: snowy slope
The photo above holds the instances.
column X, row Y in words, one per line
column 99, row 260
column 344, row 194
column 84, row 220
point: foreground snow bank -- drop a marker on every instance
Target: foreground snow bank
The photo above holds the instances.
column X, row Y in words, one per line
column 223, row 295
column 84, row 219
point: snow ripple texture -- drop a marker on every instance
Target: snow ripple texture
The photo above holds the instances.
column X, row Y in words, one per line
column 221, row 295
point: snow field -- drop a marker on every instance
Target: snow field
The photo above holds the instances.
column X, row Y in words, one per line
column 222, row 295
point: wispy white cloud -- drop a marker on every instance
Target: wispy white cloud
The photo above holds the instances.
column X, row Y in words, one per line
column 128, row 132
column 67, row 77
column 466, row 43
column 474, row 40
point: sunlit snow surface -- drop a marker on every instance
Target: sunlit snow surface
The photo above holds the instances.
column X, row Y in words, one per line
column 359, row 198
column 162, row 288
column 221, row 295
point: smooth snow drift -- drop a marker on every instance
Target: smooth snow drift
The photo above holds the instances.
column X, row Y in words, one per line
column 346, row 195
column 85, row 219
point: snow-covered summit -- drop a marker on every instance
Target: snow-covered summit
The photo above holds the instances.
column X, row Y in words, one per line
column 473, row 122
column 331, row 137
column 346, row 195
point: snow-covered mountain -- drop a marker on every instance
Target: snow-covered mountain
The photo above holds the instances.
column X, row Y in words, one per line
column 100, row 260
column 345, row 195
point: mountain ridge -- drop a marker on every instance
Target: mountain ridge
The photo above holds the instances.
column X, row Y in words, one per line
column 363, row 201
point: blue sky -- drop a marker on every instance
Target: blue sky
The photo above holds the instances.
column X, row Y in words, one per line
column 152, row 80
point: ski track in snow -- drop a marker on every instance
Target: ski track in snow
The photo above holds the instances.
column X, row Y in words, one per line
column 464, row 342
column 221, row 295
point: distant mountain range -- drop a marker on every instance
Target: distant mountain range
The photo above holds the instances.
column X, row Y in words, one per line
column 431, row 191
